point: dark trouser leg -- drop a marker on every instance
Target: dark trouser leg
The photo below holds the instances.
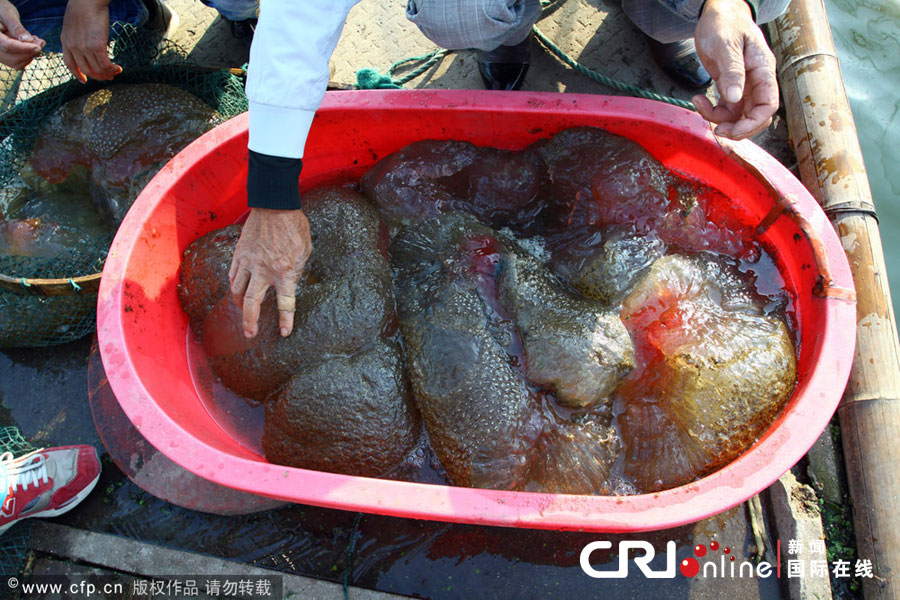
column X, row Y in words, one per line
column 44, row 18
column 480, row 24
column 499, row 29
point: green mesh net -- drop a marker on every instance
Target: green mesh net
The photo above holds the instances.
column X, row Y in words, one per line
column 14, row 543
column 27, row 99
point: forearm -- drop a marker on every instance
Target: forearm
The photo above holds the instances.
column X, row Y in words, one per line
column 287, row 79
column 288, row 71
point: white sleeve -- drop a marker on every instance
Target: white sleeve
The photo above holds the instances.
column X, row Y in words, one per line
column 288, row 70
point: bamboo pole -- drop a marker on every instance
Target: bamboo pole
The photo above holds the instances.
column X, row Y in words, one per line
column 831, row 166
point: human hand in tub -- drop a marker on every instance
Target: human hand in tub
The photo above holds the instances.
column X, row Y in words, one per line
column 271, row 252
column 275, row 242
column 732, row 48
column 17, row 46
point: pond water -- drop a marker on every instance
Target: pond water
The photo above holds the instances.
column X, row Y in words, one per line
column 867, row 37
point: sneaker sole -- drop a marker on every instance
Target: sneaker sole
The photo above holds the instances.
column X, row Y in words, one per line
column 59, row 511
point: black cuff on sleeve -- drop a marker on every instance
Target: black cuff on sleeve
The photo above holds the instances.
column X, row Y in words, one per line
column 272, row 182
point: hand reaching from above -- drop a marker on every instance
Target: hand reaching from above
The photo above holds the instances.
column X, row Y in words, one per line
column 734, row 51
column 272, row 251
column 84, row 37
column 17, row 46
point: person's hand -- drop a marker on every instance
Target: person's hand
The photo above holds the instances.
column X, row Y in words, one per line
column 17, row 47
column 272, row 251
column 732, row 48
column 84, row 37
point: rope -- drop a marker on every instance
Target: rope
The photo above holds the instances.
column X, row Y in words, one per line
column 603, row 79
column 370, row 79
column 431, row 58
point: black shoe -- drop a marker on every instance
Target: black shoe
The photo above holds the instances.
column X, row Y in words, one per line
column 243, row 30
column 680, row 62
column 504, row 68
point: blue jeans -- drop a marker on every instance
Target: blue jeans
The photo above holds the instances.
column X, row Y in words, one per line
column 44, row 18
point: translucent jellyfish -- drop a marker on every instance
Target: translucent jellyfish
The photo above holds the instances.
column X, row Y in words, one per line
column 424, row 179
column 471, row 341
column 713, row 371
column 343, row 303
column 38, row 219
column 598, row 178
column 573, row 347
column 344, row 414
column 607, row 265
column 123, row 135
column 335, row 392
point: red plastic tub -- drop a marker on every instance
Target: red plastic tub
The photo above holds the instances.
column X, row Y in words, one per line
column 142, row 328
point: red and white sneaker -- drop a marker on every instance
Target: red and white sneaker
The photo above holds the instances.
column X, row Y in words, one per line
column 45, row 483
